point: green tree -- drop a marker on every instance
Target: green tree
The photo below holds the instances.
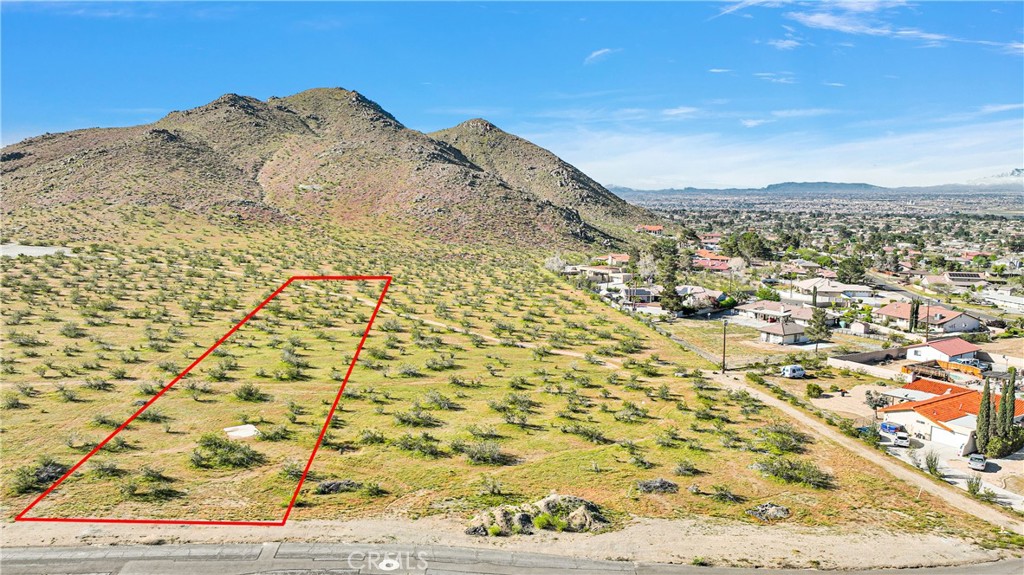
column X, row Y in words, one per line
column 851, row 270
column 666, row 254
column 982, row 428
column 915, row 309
column 767, row 293
column 817, row 329
column 1006, row 407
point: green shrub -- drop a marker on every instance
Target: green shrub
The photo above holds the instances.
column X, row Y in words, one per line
column 795, row 471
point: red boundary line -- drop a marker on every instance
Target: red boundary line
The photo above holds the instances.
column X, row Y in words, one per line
column 305, row 472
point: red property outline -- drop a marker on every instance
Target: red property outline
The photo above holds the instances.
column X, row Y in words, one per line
column 316, row 447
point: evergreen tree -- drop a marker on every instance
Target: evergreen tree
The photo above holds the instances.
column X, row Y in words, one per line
column 915, row 308
column 817, row 329
column 851, row 270
column 981, row 432
column 1011, row 388
column 666, row 253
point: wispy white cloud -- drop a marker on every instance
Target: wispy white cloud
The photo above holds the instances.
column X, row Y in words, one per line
column 834, row 84
column 598, row 55
column 754, row 123
column 737, row 7
column 787, row 44
column 802, row 112
column 680, row 111
column 996, row 108
column 869, row 19
column 776, row 77
column 719, row 70
column 659, row 159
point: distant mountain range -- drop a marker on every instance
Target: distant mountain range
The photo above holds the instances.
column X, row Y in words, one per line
column 323, row 153
column 1009, row 181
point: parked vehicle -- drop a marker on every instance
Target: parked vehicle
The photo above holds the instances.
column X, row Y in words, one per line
column 902, row 439
column 891, row 428
column 793, row 371
column 977, row 462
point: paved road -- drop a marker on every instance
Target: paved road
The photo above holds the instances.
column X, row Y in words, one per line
column 342, row 559
column 951, row 495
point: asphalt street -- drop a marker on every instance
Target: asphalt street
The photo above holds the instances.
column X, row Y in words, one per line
column 344, row 559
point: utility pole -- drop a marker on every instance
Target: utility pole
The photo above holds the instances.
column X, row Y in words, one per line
column 725, row 323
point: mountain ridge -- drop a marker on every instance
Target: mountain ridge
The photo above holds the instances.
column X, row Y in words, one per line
column 321, row 153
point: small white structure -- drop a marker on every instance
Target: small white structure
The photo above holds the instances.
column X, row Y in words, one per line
column 242, row 431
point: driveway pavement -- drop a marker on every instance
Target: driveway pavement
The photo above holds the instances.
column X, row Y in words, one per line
column 955, row 471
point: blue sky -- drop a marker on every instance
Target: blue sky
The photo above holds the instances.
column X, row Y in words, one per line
column 643, row 95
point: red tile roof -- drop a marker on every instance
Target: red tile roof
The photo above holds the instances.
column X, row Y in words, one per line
column 951, row 347
column 713, row 265
column 710, row 255
column 934, row 387
column 945, row 408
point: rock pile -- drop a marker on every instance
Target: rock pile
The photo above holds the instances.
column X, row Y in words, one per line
column 556, row 512
column 769, row 512
column 657, row 486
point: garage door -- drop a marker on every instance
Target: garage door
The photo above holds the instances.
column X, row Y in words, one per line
column 944, row 437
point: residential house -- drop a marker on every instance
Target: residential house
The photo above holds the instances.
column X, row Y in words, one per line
column 830, row 291
column 710, row 241
column 950, row 418
column 652, row 230
column 614, row 259
column 598, row 274
column 773, row 311
column 956, row 282
column 920, row 390
column 783, row 333
column 699, row 297
column 936, row 317
column 1004, row 300
column 950, row 350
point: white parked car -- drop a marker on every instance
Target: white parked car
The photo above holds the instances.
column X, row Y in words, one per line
column 902, row 439
column 977, row 462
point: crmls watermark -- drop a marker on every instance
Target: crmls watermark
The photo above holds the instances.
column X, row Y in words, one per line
column 406, row 561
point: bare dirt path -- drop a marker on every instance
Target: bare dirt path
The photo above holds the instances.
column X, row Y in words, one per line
column 951, row 495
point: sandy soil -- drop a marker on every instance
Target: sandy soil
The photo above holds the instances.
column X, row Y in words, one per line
column 656, row 540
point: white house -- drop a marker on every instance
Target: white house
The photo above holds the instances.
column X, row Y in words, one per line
column 773, row 311
column 830, row 291
column 936, row 317
column 1004, row 301
column 949, row 419
column 951, row 349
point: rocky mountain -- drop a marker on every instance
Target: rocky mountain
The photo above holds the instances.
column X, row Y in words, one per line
column 526, row 166
column 322, row 153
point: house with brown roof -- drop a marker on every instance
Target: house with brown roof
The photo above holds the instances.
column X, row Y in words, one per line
column 653, row 230
column 614, row 259
column 783, row 333
column 951, row 349
column 949, row 419
column 936, row 317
